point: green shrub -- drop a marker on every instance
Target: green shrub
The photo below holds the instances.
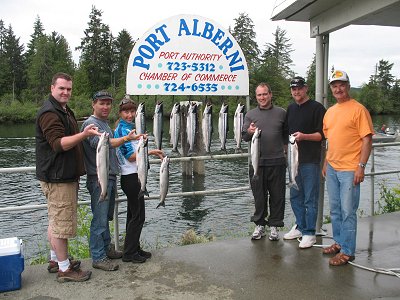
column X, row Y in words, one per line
column 78, row 247
column 190, row 237
column 389, row 200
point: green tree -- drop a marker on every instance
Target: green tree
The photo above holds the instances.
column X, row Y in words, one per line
column 395, row 95
column 370, row 96
column 39, row 70
column 3, row 61
column 311, row 78
column 123, row 45
column 62, row 54
column 275, row 67
column 38, row 32
column 13, row 63
column 97, row 52
column 244, row 34
column 280, row 50
column 377, row 94
column 51, row 55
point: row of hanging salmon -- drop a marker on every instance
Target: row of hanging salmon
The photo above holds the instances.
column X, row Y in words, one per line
column 192, row 129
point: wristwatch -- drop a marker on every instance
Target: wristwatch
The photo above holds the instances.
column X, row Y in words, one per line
column 362, row 165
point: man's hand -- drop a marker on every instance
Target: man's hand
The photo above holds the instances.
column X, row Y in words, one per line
column 91, row 130
column 252, row 128
column 359, row 175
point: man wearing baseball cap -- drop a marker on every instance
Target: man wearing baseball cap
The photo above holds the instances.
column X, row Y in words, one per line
column 348, row 129
column 304, row 119
column 101, row 248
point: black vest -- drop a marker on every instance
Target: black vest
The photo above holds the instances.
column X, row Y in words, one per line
column 51, row 166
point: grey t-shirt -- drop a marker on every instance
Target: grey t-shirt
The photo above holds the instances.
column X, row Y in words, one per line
column 90, row 146
column 273, row 133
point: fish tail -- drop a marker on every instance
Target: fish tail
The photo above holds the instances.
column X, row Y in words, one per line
column 255, row 177
column 102, row 197
column 162, row 203
column 293, row 185
column 143, row 193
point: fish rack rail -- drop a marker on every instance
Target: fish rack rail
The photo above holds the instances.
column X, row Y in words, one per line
column 122, row 199
column 154, row 197
column 188, row 159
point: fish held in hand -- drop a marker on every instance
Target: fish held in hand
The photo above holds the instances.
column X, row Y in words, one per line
column 293, row 161
column 255, row 151
column 103, row 163
column 142, row 160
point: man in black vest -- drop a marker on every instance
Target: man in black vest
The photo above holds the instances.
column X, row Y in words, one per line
column 59, row 164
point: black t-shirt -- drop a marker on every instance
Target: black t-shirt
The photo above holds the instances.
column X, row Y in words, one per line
column 306, row 118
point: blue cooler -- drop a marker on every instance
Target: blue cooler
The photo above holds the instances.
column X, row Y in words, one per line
column 11, row 264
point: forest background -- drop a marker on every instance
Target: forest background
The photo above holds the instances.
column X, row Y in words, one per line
column 25, row 74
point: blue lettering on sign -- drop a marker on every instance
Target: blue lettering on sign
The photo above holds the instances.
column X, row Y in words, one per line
column 216, row 38
column 208, row 30
column 154, row 41
column 148, row 51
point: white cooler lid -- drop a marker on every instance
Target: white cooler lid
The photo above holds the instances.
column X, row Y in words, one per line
column 10, row 246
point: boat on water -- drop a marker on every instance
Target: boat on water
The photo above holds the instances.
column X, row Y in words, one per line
column 379, row 137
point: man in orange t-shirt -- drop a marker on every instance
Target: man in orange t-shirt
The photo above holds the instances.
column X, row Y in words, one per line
column 348, row 129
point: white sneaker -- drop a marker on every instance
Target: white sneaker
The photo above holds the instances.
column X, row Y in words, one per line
column 274, row 234
column 258, row 233
column 294, row 233
column 307, row 241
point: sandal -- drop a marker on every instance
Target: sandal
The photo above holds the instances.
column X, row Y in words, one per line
column 340, row 259
column 332, row 249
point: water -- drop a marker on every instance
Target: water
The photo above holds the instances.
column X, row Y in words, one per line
column 221, row 216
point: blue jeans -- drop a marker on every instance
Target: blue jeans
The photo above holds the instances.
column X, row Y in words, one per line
column 305, row 200
column 344, row 198
column 103, row 212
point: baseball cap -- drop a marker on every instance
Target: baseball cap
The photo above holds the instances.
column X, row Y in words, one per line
column 338, row 75
column 298, row 82
column 102, row 95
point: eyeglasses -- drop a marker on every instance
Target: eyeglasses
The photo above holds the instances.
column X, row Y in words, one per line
column 102, row 94
column 125, row 101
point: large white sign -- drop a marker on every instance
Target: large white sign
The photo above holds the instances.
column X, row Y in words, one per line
column 187, row 55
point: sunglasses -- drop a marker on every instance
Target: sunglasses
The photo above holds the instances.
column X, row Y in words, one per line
column 125, row 101
column 102, row 94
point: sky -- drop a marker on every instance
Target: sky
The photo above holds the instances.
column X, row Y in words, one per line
column 354, row 49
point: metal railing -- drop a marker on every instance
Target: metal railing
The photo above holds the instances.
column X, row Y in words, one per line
column 123, row 199
column 371, row 174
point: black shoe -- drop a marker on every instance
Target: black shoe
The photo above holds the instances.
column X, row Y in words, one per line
column 145, row 254
column 135, row 258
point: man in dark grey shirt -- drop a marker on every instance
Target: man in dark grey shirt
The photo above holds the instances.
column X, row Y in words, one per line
column 269, row 186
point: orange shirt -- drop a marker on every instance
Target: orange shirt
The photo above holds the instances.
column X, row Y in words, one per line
column 345, row 124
